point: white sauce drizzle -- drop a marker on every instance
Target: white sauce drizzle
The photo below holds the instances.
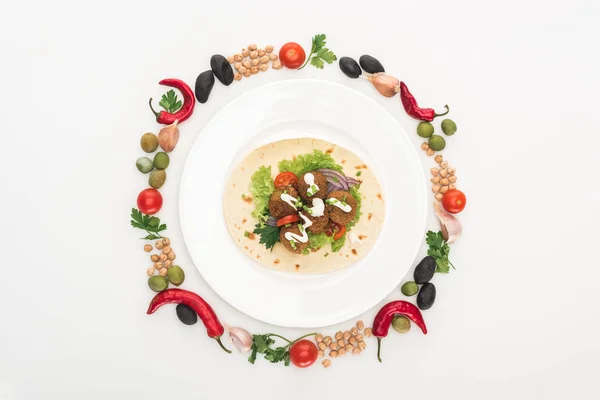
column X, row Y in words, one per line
column 289, row 199
column 309, row 179
column 338, row 204
column 291, row 236
column 318, row 208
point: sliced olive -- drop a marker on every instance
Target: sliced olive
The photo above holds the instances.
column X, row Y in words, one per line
column 370, row 64
column 350, row 67
column 222, row 69
column 204, row 84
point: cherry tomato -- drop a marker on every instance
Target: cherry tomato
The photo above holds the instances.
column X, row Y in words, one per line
column 285, row 179
column 341, row 231
column 289, row 219
column 303, row 353
column 149, row 201
column 454, row 201
column 292, row 55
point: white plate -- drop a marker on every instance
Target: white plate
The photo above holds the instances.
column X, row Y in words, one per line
column 303, row 108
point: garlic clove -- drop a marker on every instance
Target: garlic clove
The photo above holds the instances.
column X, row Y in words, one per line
column 451, row 226
column 386, row 85
column 241, row 338
column 168, row 137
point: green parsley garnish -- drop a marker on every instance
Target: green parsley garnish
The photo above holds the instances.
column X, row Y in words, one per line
column 246, row 233
column 243, row 196
column 269, row 235
column 319, row 54
column 170, row 102
column 359, row 173
column 148, row 223
column 326, row 255
column 306, row 252
column 293, row 244
column 439, row 249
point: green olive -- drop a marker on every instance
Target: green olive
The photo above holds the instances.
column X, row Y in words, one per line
column 144, row 165
column 409, row 288
column 158, row 283
column 424, row 129
column 175, row 275
column 401, row 324
column 161, row 160
column 448, row 127
column 149, row 142
column 437, row 143
column 157, row 178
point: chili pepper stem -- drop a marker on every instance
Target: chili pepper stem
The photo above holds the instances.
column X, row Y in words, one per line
column 447, row 111
column 150, row 104
column 379, row 349
column 218, row 339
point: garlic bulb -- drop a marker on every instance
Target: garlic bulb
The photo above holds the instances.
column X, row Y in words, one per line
column 451, row 227
column 241, row 338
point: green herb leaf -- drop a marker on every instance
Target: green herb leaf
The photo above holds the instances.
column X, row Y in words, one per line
column 169, row 102
column 269, row 235
column 354, row 191
column 319, row 54
column 337, row 245
column 439, row 249
column 261, row 187
column 309, row 162
column 150, row 224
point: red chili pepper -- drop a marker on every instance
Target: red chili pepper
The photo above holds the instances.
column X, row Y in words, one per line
column 186, row 110
column 383, row 319
column 214, row 329
column 412, row 107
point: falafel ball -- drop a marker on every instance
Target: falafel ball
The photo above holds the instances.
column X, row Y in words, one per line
column 319, row 224
column 319, row 180
column 279, row 208
column 338, row 215
column 297, row 247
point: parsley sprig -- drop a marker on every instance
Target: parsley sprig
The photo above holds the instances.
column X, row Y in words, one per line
column 319, row 54
column 263, row 344
column 269, row 235
column 169, row 102
column 439, row 249
column 150, row 224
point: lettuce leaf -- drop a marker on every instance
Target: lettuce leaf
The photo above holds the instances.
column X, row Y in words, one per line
column 261, row 187
column 337, row 245
column 318, row 241
column 354, row 191
column 309, row 162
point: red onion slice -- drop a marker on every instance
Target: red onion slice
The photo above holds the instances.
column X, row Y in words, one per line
column 271, row 221
column 330, row 173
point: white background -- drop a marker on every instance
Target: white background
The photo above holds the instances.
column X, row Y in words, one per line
column 519, row 317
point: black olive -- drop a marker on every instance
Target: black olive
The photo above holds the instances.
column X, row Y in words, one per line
column 370, row 64
column 424, row 270
column 350, row 67
column 222, row 69
column 186, row 314
column 426, row 296
column 204, row 84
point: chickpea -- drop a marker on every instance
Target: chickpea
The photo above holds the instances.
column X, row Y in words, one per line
column 368, row 332
column 341, row 343
column 445, row 181
column 237, row 76
column 252, row 47
column 230, row 59
column 348, row 348
column 443, row 189
column 247, row 64
column 163, row 257
column 237, row 57
column 434, row 171
column 438, row 159
column 158, row 265
column 255, row 62
column 327, row 340
column 359, row 337
column 261, row 52
column 264, row 59
column 242, row 69
column 273, row 57
column 443, row 173
column 353, row 341
column 435, row 179
column 435, row 188
column 444, row 164
column 360, row 325
column 451, row 171
column 166, row 250
column 154, row 258
column 238, row 65
column 277, row 64
column 147, row 248
column 247, row 73
column 171, row 255
column 254, row 70
column 167, row 241
column 321, row 353
column 322, row 346
column 451, row 187
column 452, row 179
column 430, row 152
column 333, row 354
column 263, row 67
column 356, row 351
column 150, row 271
column 338, row 335
column 319, row 338
column 346, row 335
column 424, row 146
column 159, row 244
column 326, row 363
column 341, row 351
column 333, row 346
column 253, row 54
column 269, row 48
column 354, row 331
column 163, row 272
column 439, row 196
column 362, row 345
column 245, row 53
column 168, row 264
